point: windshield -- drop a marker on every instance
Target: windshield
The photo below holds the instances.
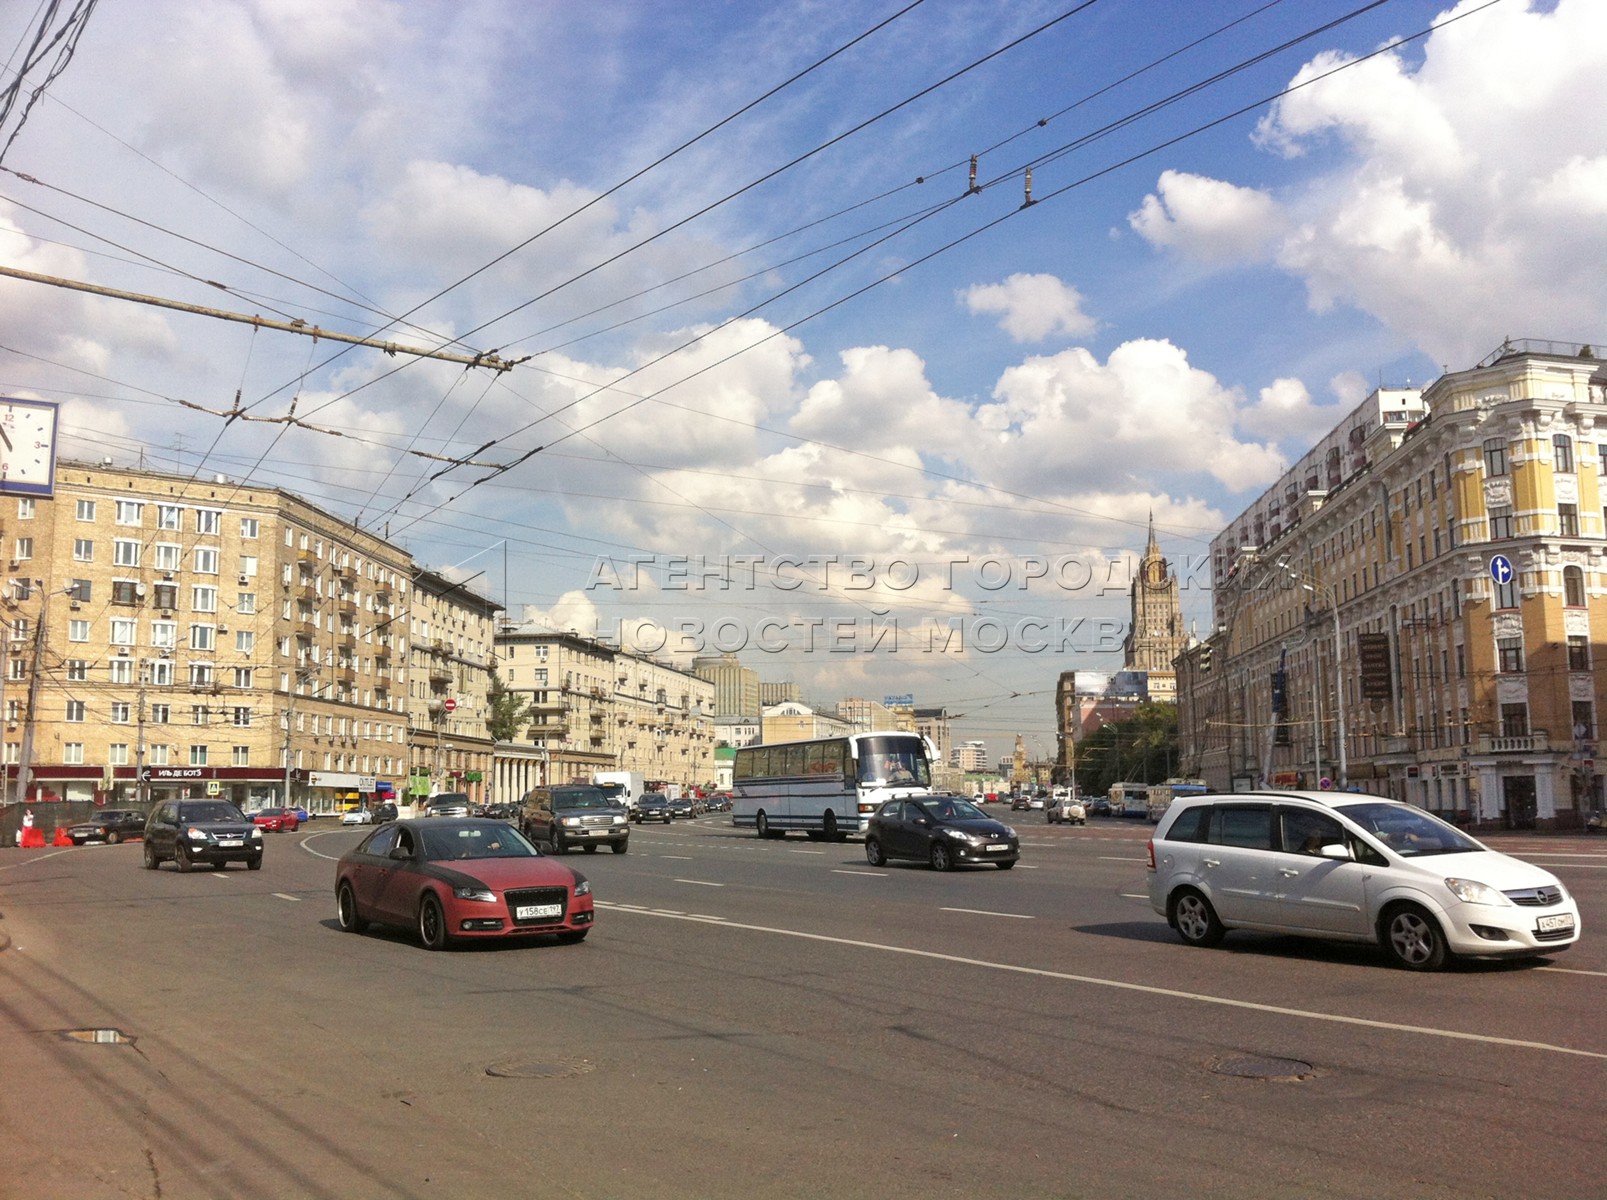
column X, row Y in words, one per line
column 950, row 808
column 1409, row 832
column 212, row 812
column 894, row 761
column 476, row 841
column 582, row 798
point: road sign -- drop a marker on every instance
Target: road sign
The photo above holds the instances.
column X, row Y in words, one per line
column 1501, row 568
column 1325, row 784
column 449, row 704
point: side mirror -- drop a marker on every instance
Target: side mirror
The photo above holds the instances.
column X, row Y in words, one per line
column 400, row 853
column 1337, row 851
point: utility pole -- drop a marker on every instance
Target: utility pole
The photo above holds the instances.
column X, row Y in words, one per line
column 141, row 788
column 30, row 712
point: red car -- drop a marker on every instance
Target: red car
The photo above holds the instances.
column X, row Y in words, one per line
column 459, row 879
column 277, row 820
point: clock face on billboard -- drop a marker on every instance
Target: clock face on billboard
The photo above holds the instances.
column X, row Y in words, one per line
column 27, row 446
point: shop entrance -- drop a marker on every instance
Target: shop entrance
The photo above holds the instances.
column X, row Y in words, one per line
column 1518, row 801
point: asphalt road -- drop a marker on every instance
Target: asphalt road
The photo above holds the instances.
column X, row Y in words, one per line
column 763, row 1019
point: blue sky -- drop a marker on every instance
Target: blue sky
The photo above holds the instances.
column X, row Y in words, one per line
column 803, row 377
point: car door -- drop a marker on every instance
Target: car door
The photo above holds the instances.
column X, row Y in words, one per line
column 893, row 828
column 1323, row 895
column 395, row 881
column 1239, row 865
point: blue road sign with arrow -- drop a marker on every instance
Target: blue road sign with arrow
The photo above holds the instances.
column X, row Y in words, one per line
column 1501, row 568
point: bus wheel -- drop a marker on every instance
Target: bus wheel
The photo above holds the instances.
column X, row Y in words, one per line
column 762, row 824
column 830, row 831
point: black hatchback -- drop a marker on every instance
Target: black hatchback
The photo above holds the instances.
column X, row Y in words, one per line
column 946, row 831
column 213, row 832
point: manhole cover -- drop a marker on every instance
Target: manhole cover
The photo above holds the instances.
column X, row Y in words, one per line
column 525, row 1068
column 1255, row 1067
column 105, row 1037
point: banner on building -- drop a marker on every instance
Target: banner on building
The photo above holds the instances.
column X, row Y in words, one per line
column 1377, row 676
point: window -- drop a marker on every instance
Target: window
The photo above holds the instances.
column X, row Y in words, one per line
column 169, row 516
column 164, row 634
column 246, row 603
column 17, row 668
column 1573, row 587
column 75, row 711
column 206, row 560
column 242, row 756
column 169, row 556
column 1514, row 720
column 242, row 716
column 122, row 670
column 24, row 549
column 208, row 520
column 130, row 512
column 244, row 641
column 161, row 714
column 158, row 755
column 77, row 631
column 1500, row 524
column 120, row 712
column 1584, row 720
column 1509, row 654
column 165, row 595
column 1507, row 594
column 1568, row 520
column 1579, row 653
column 125, row 553
column 77, row 670
column 199, row 714
column 1307, row 832
column 1562, row 453
column 81, row 591
column 242, row 677
column 161, row 672
column 204, row 599
column 198, row 756
column 202, row 637
column 125, row 592
column 249, row 527
column 84, row 510
column 72, row 753
column 117, row 754
column 83, row 549
column 1249, row 826
column 123, row 630
column 200, row 674
column 248, row 566
column 1495, row 456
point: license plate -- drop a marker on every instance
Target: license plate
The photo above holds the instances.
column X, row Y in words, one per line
column 230, row 843
column 997, row 849
column 1552, row 924
column 529, row 912
column 601, row 832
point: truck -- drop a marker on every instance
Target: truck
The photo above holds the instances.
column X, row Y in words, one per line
column 626, row 787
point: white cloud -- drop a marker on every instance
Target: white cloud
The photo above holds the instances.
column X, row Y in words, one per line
column 1033, row 307
column 1207, row 220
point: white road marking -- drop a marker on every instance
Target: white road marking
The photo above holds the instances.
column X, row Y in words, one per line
column 1113, row 858
column 867, row 874
column 287, row 896
column 982, row 912
column 678, row 857
column 1575, row 971
column 806, row 852
column 1132, row 896
column 1146, row 989
column 700, row 882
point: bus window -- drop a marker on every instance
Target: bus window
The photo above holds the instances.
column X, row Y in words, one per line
column 894, row 761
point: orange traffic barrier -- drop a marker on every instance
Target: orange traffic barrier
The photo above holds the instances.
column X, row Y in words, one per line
column 33, row 839
column 62, row 837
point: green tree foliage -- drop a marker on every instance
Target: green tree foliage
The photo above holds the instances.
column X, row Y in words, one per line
column 509, row 710
column 1141, row 749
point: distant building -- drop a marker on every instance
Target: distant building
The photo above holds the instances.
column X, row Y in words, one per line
column 736, row 687
column 971, row 757
column 778, row 693
column 794, row 722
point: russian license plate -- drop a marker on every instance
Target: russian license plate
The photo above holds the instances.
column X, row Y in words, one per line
column 529, row 912
column 1552, row 924
column 230, row 843
column 997, row 847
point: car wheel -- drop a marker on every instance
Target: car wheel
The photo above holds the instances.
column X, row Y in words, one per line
column 151, row 861
column 573, row 937
column 346, row 910
column 1413, row 939
column 431, row 924
column 590, row 847
column 1195, row 920
column 558, row 846
column 873, row 852
column 254, row 863
column 942, row 857
column 621, row 847
column 113, row 838
column 181, row 857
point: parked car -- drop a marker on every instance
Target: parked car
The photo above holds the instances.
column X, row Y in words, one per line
column 459, row 880
column 213, row 832
column 1066, row 811
column 357, row 816
column 109, row 825
column 277, row 820
column 653, row 807
column 384, row 812
column 1350, row 867
column 302, row 815
column 946, row 831
column 576, row 814
column 447, row 804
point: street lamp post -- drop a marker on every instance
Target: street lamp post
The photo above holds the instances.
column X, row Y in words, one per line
column 1311, row 585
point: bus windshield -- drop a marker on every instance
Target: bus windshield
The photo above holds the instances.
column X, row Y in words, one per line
column 894, row 762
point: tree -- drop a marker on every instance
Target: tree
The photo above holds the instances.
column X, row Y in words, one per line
column 510, row 711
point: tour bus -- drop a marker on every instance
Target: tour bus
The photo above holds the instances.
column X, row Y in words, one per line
column 1129, row 799
column 1161, row 795
column 827, row 787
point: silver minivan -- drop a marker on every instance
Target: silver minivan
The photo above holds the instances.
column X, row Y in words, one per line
column 1350, row 867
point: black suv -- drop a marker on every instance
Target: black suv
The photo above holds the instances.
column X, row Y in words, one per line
column 109, row 825
column 214, row 832
column 577, row 815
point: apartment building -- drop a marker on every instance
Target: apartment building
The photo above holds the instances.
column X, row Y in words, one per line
column 452, row 647
column 1416, row 609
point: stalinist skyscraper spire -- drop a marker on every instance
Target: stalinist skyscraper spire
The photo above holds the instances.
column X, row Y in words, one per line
column 1156, row 636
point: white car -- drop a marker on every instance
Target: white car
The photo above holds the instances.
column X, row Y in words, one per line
column 357, row 816
column 1063, row 810
column 1350, row 867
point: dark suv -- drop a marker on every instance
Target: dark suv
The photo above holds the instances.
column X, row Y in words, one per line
column 214, row 832
column 576, row 815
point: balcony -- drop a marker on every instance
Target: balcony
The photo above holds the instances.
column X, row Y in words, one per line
column 1538, row 742
column 440, row 675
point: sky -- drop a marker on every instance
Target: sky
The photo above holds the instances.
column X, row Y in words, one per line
column 789, row 381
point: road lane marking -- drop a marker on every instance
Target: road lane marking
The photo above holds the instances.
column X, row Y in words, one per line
column 806, row 852
column 700, row 882
column 1575, row 971
column 678, row 857
column 1143, row 988
column 867, row 874
column 286, row 896
column 1132, row 895
column 982, row 912
column 1113, row 858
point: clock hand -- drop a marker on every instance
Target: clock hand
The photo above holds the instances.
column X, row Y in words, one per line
column 6, row 436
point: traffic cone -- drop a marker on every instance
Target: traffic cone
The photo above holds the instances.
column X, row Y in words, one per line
column 62, row 838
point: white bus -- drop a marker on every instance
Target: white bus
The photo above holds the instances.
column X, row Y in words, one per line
column 828, row 787
column 1161, row 795
column 1129, row 799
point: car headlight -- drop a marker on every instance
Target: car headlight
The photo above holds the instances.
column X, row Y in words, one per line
column 618, row 820
column 569, row 821
column 582, row 886
column 474, row 892
column 256, row 833
column 958, row 835
column 196, row 835
column 1470, row 892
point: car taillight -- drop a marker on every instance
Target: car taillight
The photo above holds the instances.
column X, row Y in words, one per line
column 1151, row 849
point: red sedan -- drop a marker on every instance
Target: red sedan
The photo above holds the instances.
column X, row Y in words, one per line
column 277, row 820
column 459, row 879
